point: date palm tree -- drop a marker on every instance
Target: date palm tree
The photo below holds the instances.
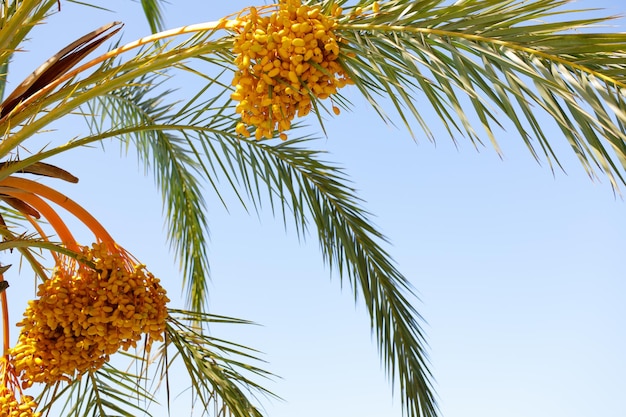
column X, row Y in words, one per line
column 257, row 71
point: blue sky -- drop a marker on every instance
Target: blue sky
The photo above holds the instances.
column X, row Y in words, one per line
column 519, row 270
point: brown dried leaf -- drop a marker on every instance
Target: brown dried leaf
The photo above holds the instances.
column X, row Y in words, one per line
column 58, row 65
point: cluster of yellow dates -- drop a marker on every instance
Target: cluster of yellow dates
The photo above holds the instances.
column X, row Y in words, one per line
column 13, row 403
column 85, row 312
column 10, row 406
column 285, row 60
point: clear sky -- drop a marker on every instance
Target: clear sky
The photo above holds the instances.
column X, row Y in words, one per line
column 520, row 271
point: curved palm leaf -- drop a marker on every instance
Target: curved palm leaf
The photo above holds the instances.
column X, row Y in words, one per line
column 103, row 393
column 219, row 370
column 220, row 374
column 316, row 190
column 501, row 57
column 18, row 17
column 69, row 91
column 153, row 11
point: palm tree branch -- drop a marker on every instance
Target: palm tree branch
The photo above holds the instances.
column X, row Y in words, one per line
column 25, row 244
column 475, row 64
column 618, row 44
column 18, row 22
column 310, row 188
column 153, row 12
column 17, row 19
column 105, row 392
column 109, row 77
column 217, row 369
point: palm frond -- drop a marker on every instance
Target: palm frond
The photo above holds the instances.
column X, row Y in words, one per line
column 153, row 11
column 497, row 57
column 219, row 371
column 17, row 18
column 296, row 180
column 107, row 392
column 68, row 92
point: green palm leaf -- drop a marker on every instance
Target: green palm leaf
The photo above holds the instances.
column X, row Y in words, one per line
column 17, row 18
column 153, row 11
column 494, row 56
column 107, row 392
column 219, row 371
column 221, row 375
column 295, row 179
